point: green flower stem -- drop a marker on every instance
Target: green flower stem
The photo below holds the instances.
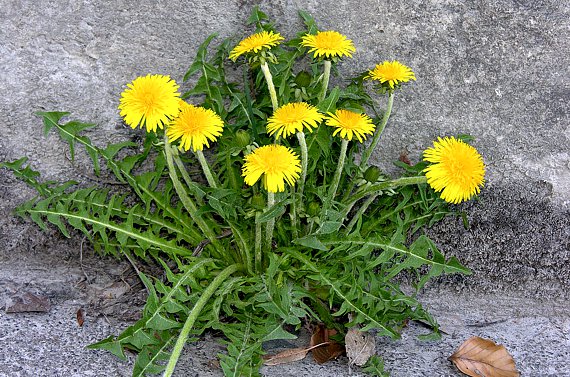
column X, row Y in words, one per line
column 271, row 223
column 301, row 183
column 188, row 203
column 379, row 130
column 191, row 184
column 326, row 78
column 336, row 179
column 206, row 169
column 194, row 313
column 304, row 161
column 294, row 209
column 304, row 164
column 270, row 86
column 258, row 252
column 360, row 212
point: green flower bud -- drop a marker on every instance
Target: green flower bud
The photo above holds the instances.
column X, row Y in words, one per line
column 303, row 79
column 243, row 139
column 372, row 174
column 313, row 209
column 258, row 201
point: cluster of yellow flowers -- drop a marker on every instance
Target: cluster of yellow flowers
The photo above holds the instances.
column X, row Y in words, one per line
column 153, row 101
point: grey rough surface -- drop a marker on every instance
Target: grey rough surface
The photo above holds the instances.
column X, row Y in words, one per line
column 536, row 332
column 497, row 70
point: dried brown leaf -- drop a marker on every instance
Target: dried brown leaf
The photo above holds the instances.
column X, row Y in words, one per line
column 360, row 346
column 80, row 317
column 478, row 357
column 114, row 290
column 214, row 364
column 288, row 356
column 404, row 157
column 330, row 349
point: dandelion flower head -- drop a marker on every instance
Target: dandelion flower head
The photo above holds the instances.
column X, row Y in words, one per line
column 392, row 72
column 150, row 101
column 255, row 43
column 350, row 124
column 328, row 44
column 275, row 164
column 293, row 118
column 195, row 127
column 456, row 170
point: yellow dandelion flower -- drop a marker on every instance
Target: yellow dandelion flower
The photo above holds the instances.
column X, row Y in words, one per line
column 350, row 124
column 195, row 126
column 392, row 72
column 292, row 118
column 457, row 169
column 276, row 163
column 150, row 101
column 329, row 44
column 255, row 43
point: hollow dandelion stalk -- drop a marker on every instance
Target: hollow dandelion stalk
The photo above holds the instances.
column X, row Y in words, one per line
column 270, row 86
column 385, row 117
column 271, row 223
column 206, row 169
column 336, row 179
column 304, row 162
column 326, row 78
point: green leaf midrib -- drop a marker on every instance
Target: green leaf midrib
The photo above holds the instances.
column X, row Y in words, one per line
column 150, row 220
column 387, row 246
column 161, row 245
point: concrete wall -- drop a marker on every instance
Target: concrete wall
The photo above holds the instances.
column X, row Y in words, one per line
column 496, row 70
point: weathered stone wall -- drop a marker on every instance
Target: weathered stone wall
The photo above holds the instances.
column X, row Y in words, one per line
column 496, row 70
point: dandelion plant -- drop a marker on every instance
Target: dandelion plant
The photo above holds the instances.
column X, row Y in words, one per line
column 276, row 226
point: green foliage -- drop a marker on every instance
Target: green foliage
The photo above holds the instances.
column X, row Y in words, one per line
column 375, row 367
column 339, row 263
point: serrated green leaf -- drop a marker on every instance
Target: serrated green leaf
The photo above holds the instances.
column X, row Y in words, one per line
column 328, row 227
column 275, row 331
column 51, row 119
column 433, row 336
column 328, row 105
column 111, row 345
column 256, row 16
column 312, row 242
column 112, row 149
column 277, row 210
column 147, row 361
column 309, row 22
column 347, row 304
column 160, row 322
column 200, row 58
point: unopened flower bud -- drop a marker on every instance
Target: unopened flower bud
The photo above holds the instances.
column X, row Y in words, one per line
column 258, row 201
column 372, row 174
column 243, row 139
column 313, row 209
column 303, row 79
